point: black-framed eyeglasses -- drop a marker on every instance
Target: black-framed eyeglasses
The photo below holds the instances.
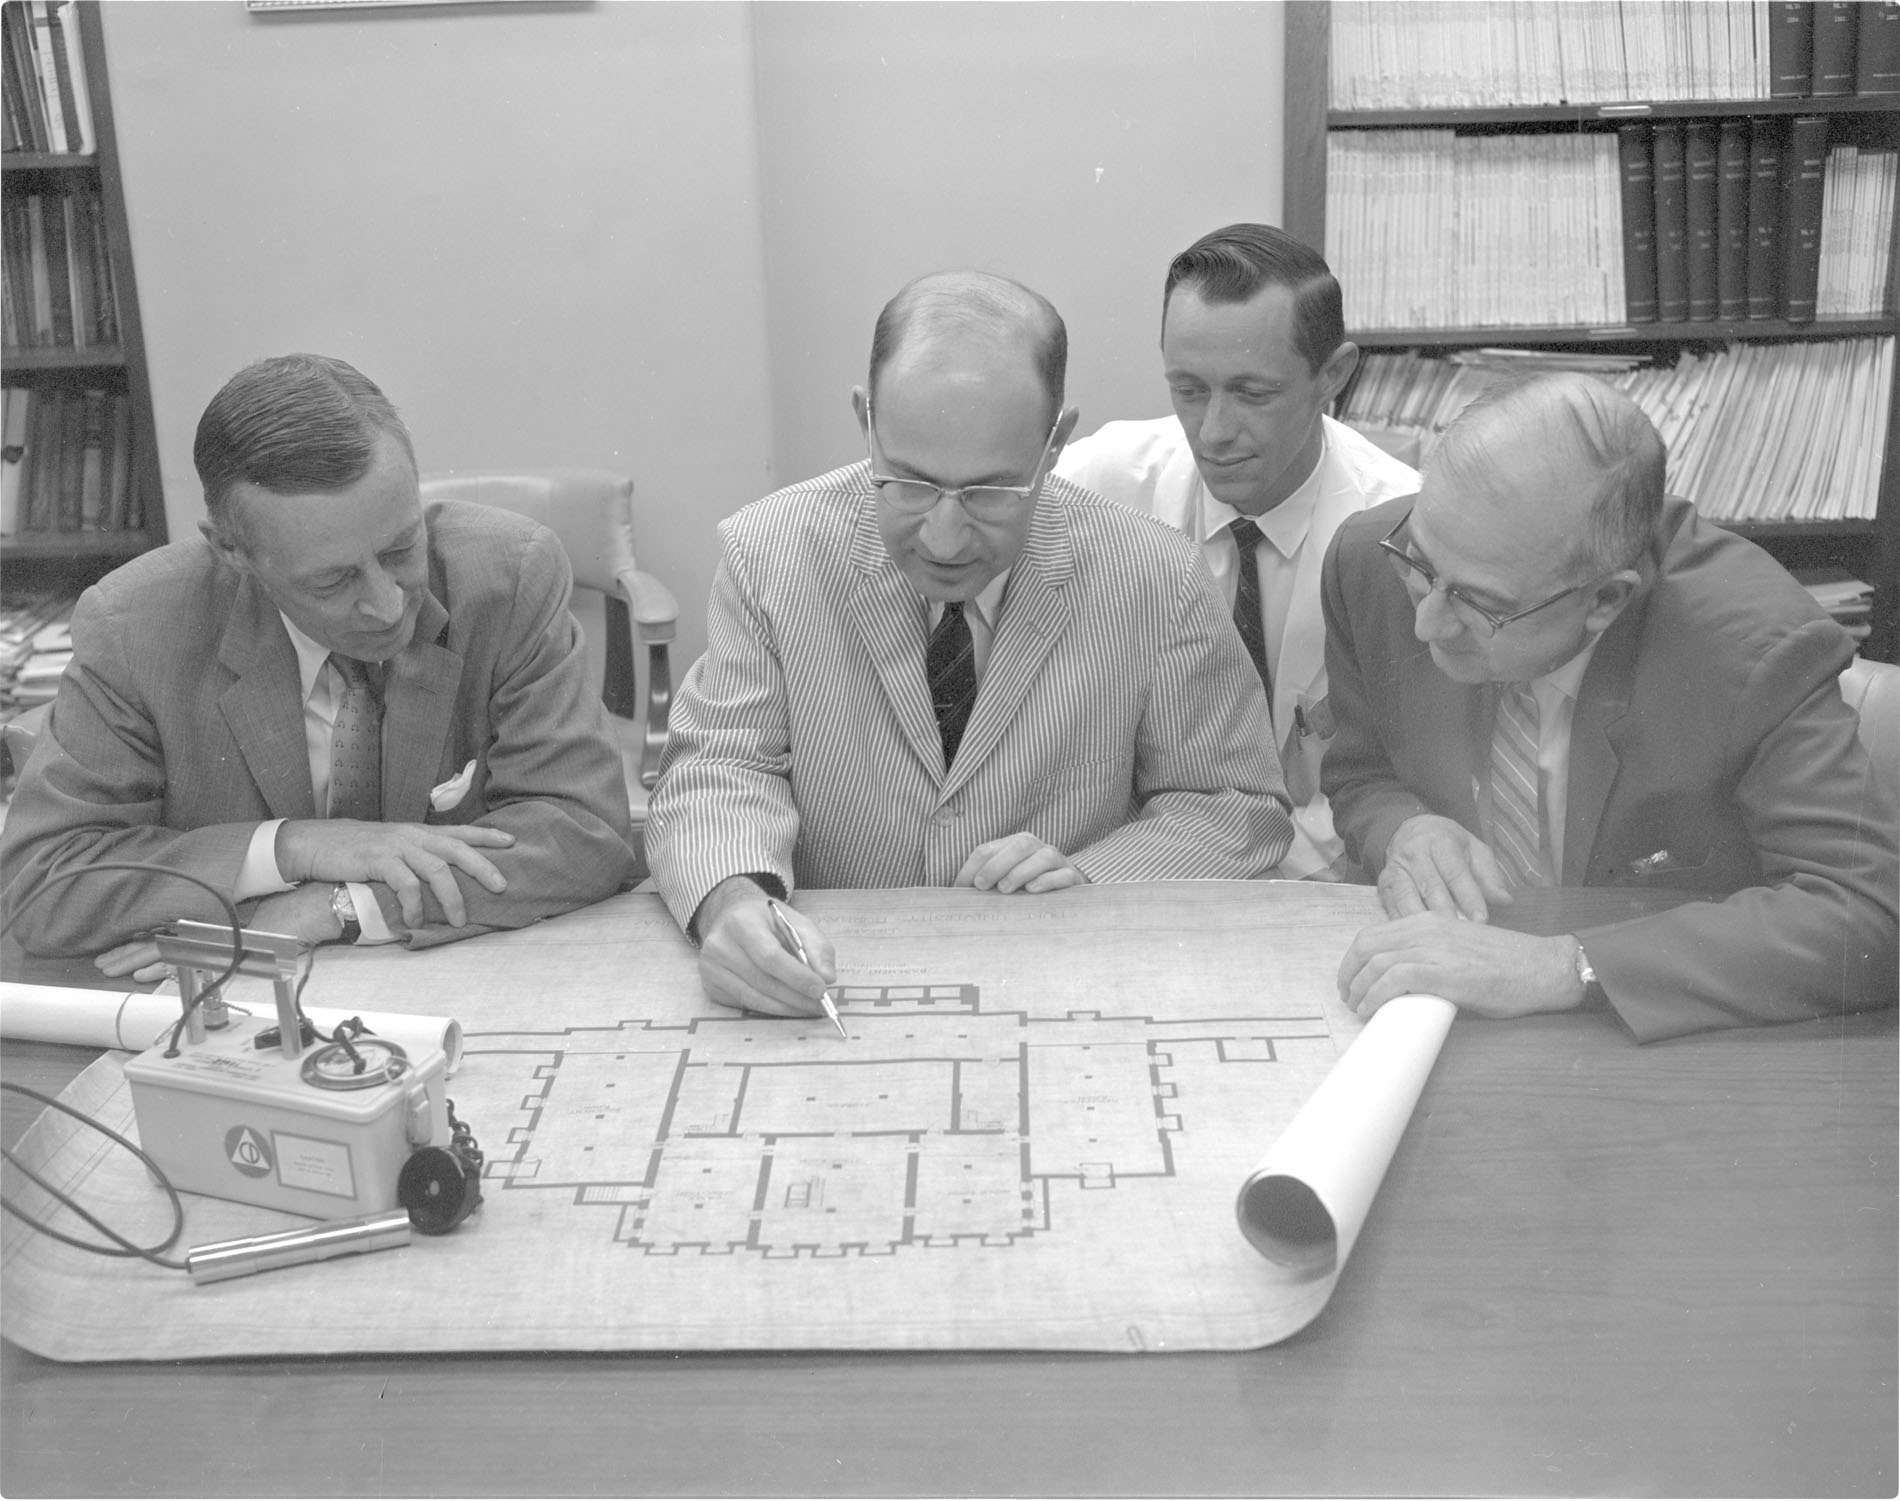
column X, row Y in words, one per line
column 1421, row 581
column 917, row 497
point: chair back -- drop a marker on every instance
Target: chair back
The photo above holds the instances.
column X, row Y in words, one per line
column 591, row 511
column 1873, row 690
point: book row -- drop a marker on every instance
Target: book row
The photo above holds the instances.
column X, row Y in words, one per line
column 47, row 107
column 1735, row 219
column 1455, row 54
column 66, row 464
column 57, row 286
column 1760, row 432
column 1677, row 222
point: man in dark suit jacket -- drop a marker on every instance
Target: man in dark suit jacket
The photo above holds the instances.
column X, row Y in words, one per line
column 203, row 724
column 1689, row 731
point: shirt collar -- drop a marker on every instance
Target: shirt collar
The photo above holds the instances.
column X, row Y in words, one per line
column 1565, row 681
column 988, row 603
column 311, row 656
column 1285, row 526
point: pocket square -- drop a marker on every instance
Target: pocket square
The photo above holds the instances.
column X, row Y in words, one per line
column 450, row 793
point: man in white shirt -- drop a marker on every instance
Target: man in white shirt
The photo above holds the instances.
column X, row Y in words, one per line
column 1253, row 347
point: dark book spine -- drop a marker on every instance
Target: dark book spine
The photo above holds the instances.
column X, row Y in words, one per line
column 1836, row 25
column 72, row 459
column 1699, row 172
column 1731, row 221
column 58, row 269
column 1764, row 217
column 41, row 480
column 1639, row 223
column 105, row 301
column 23, row 76
column 1790, row 48
column 1803, row 178
column 1877, row 49
column 1672, row 227
column 93, row 512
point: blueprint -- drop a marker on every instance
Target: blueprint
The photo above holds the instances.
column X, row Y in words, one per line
column 1032, row 1138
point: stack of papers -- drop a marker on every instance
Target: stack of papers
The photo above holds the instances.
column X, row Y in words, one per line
column 1848, row 599
column 36, row 643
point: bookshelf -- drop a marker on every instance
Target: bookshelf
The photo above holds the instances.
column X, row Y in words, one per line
column 1868, row 547
column 67, row 551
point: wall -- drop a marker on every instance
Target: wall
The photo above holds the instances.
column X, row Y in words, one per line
column 1074, row 147
column 542, row 229
column 534, row 226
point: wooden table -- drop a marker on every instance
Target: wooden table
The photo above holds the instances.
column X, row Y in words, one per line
column 1593, row 1269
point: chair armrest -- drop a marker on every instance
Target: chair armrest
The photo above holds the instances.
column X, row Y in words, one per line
column 654, row 609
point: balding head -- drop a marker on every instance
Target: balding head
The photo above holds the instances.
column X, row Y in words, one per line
column 964, row 318
column 1567, row 454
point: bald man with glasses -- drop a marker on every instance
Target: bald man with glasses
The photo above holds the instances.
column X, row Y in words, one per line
column 942, row 665
column 1546, row 673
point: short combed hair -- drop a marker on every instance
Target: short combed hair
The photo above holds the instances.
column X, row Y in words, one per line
column 975, row 304
column 1585, row 428
column 1234, row 263
column 291, row 424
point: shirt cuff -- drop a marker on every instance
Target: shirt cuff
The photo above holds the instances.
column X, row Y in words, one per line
column 369, row 915
column 259, row 875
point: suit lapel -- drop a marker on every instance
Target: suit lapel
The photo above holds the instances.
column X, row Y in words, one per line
column 263, row 706
column 1035, row 613
column 1303, row 642
column 1597, row 731
column 420, row 687
column 889, row 618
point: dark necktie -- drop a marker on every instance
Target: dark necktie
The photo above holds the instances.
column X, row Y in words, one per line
column 1517, row 812
column 356, row 743
column 950, row 665
column 1247, row 619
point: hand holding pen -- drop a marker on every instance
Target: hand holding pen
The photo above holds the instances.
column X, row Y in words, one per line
column 745, row 960
column 789, row 935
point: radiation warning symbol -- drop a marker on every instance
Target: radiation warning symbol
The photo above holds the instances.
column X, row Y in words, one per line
column 247, row 1151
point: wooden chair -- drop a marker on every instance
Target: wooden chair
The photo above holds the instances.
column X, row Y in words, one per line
column 591, row 511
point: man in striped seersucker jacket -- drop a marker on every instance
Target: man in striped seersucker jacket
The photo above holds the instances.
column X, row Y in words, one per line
column 944, row 666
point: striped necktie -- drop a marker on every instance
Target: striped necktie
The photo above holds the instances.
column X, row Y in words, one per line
column 950, row 665
column 1247, row 619
column 1516, row 835
column 356, row 742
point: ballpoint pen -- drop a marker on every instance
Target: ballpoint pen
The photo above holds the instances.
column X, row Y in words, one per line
column 790, row 935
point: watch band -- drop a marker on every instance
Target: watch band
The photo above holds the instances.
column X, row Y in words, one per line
column 343, row 908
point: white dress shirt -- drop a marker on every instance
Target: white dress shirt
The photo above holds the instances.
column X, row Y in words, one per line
column 322, row 687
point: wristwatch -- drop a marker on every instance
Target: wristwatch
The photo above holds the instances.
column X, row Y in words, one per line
column 343, row 908
column 1593, row 992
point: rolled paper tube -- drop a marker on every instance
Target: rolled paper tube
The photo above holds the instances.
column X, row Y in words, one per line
column 135, row 1019
column 1303, row 1206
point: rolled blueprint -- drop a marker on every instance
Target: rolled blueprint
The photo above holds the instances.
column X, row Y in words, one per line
column 135, row 1019
column 1303, row 1206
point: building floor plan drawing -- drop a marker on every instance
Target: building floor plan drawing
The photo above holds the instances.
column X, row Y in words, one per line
column 1032, row 1138
column 939, row 1125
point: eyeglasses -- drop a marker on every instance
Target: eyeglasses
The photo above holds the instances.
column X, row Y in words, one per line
column 1421, row 582
column 917, row 497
